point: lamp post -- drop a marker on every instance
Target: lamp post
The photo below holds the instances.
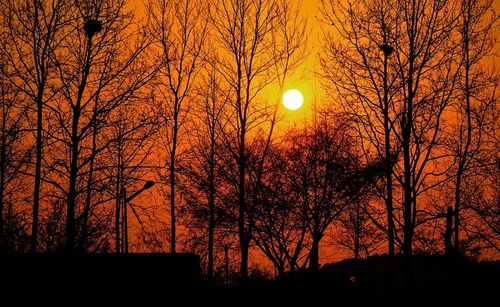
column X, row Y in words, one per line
column 126, row 200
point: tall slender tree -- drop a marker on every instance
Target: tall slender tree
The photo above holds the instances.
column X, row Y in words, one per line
column 322, row 159
column 34, row 28
column 96, row 77
column 249, row 48
column 180, row 28
column 428, row 78
column 14, row 153
column 202, row 169
column 475, row 25
column 357, row 69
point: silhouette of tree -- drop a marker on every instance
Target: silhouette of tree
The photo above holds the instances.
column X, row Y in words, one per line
column 355, row 232
column 289, row 47
column 358, row 70
column 179, row 29
column 480, row 217
column 475, row 96
column 404, row 147
column 399, row 77
column 14, row 159
column 322, row 160
column 97, row 74
column 428, row 78
column 203, row 168
column 33, row 31
column 280, row 229
column 249, row 50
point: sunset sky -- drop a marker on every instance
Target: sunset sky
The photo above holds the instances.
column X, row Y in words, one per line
column 393, row 150
column 305, row 78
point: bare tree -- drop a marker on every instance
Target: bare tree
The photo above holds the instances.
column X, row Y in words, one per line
column 401, row 98
column 280, row 226
column 428, row 78
column 354, row 231
column 248, row 50
column 209, row 121
column 95, row 80
column 288, row 45
column 322, row 161
column 180, row 28
column 15, row 155
column 34, row 29
column 480, row 224
column 356, row 68
column 474, row 98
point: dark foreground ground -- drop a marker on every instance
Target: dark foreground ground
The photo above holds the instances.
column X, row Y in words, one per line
column 437, row 281
column 175, row 280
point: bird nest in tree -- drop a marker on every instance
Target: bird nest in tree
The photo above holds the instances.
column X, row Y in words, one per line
column 92, row 27
column 386, row 49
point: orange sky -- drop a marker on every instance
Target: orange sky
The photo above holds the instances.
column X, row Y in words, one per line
column 303, row 79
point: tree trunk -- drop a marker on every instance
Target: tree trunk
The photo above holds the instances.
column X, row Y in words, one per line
column 70, row 212
column 2, row 174
column 357, row 232
column 242, row 210
column 465, row 154
column 407, row 211
column 75, row 143
column 244, row 261
column 456, row 211
column 281, row 271
column 41, row 77
column 211, row 205
column 448, row 232
column 226, row 263
column 388, row 164
column 38, row 168
column 172, row 181
column 120, row 185
column 118, row 202
column 314, row 254
column 407, row 122
column 88, row 198
column 124, row 221
column 242, row 182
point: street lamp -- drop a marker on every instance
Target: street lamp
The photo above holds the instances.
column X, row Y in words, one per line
column 126, row 200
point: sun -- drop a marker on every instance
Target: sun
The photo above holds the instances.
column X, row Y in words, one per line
column 293, row 99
